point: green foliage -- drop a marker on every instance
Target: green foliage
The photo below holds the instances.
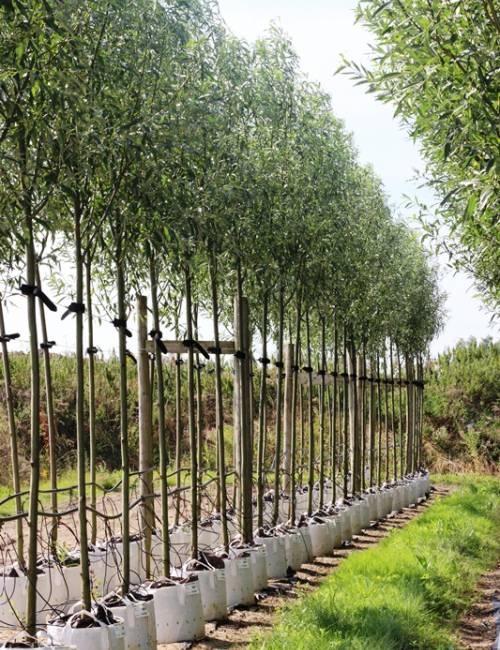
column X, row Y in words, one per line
column 462, row 407
column 410, row 590
column 435, row 61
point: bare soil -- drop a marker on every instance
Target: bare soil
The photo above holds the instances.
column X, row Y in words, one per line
column 478, row 628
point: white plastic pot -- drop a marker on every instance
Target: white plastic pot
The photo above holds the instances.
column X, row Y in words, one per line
column 372, row 503
column 345, row 524
column 258, row 561
column 101, row 637
column 294, row 550
column 239, row 582
column 320, row 539
column 305, row 534
column 145, row 620
column 213, row 593
column 180, row 546
column 210, row 536
column 13, row 593
column 275, row 556
column 178, row 612
column 355, row 511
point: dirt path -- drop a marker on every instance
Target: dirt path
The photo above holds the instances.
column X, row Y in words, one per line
column 244, row 623
column 480, row 627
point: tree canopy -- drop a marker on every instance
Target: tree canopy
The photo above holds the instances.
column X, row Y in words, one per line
column 437, row 63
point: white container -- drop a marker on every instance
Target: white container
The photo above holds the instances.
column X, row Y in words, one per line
column 320, row 539
column 275, row 556
column 210, row 536
column 178, row 612
column 305, row 534
column 294, row 550
column 258, row 561
column 335, row 532
column 180, row 546
column 213, row 593
column 355, row 511
column 145, row 619
column 345, row 524
column 102, row 637
column 387, row 501
column 365, row 513
column 239, row 583
column 13, row 593
column 372, row 503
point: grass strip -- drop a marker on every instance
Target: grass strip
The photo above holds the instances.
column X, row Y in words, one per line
column 410, row 590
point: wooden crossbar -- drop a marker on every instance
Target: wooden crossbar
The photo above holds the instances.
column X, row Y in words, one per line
column 178, row 347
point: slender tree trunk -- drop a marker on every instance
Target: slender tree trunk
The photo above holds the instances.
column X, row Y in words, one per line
column 310, row 413
column 14, row 454
column 322, row 414
column 219, row 406
column 393, row 415
column 124, row 443
column 262, row 417
column 410, row 413
column 80, row 430
column 335, row 411
column 373, row 421
column 279, row 405
column 386, row 421
column 145, row 433
column 162, row 429
column 402, row 445
column 51, row 420
column 346, row 417
column 178, row 428
column 199, row 401
column 191, row 416
column 295, row 386
column 92, row 402
column 379, row 424
column 363, row 420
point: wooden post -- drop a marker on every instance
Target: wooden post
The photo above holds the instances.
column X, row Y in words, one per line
column 145, row 431
column 287, row 416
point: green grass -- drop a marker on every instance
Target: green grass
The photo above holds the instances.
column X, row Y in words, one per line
column 409, row 590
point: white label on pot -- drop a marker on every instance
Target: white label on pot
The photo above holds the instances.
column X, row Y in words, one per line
column 243, row 563
column 192, row 588
column 221, row 574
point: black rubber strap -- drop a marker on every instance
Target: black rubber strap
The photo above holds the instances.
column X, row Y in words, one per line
column 215, row 350
column 179, row 362
column 279, row 364
column 46, row 345
column 33, row 290
column 307, row 369
column 157, row 336
column 92, row 350
column 264, row 361
column 121, row 323
column 192, row 343
column 131, row 356
column 295, row 368
column 239, row 354
column 74, row 308
column 321, row 372
column 6, row 338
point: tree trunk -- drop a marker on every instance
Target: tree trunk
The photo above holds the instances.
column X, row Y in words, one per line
column 51, row 421
column 219, row 405
column 14, row 454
